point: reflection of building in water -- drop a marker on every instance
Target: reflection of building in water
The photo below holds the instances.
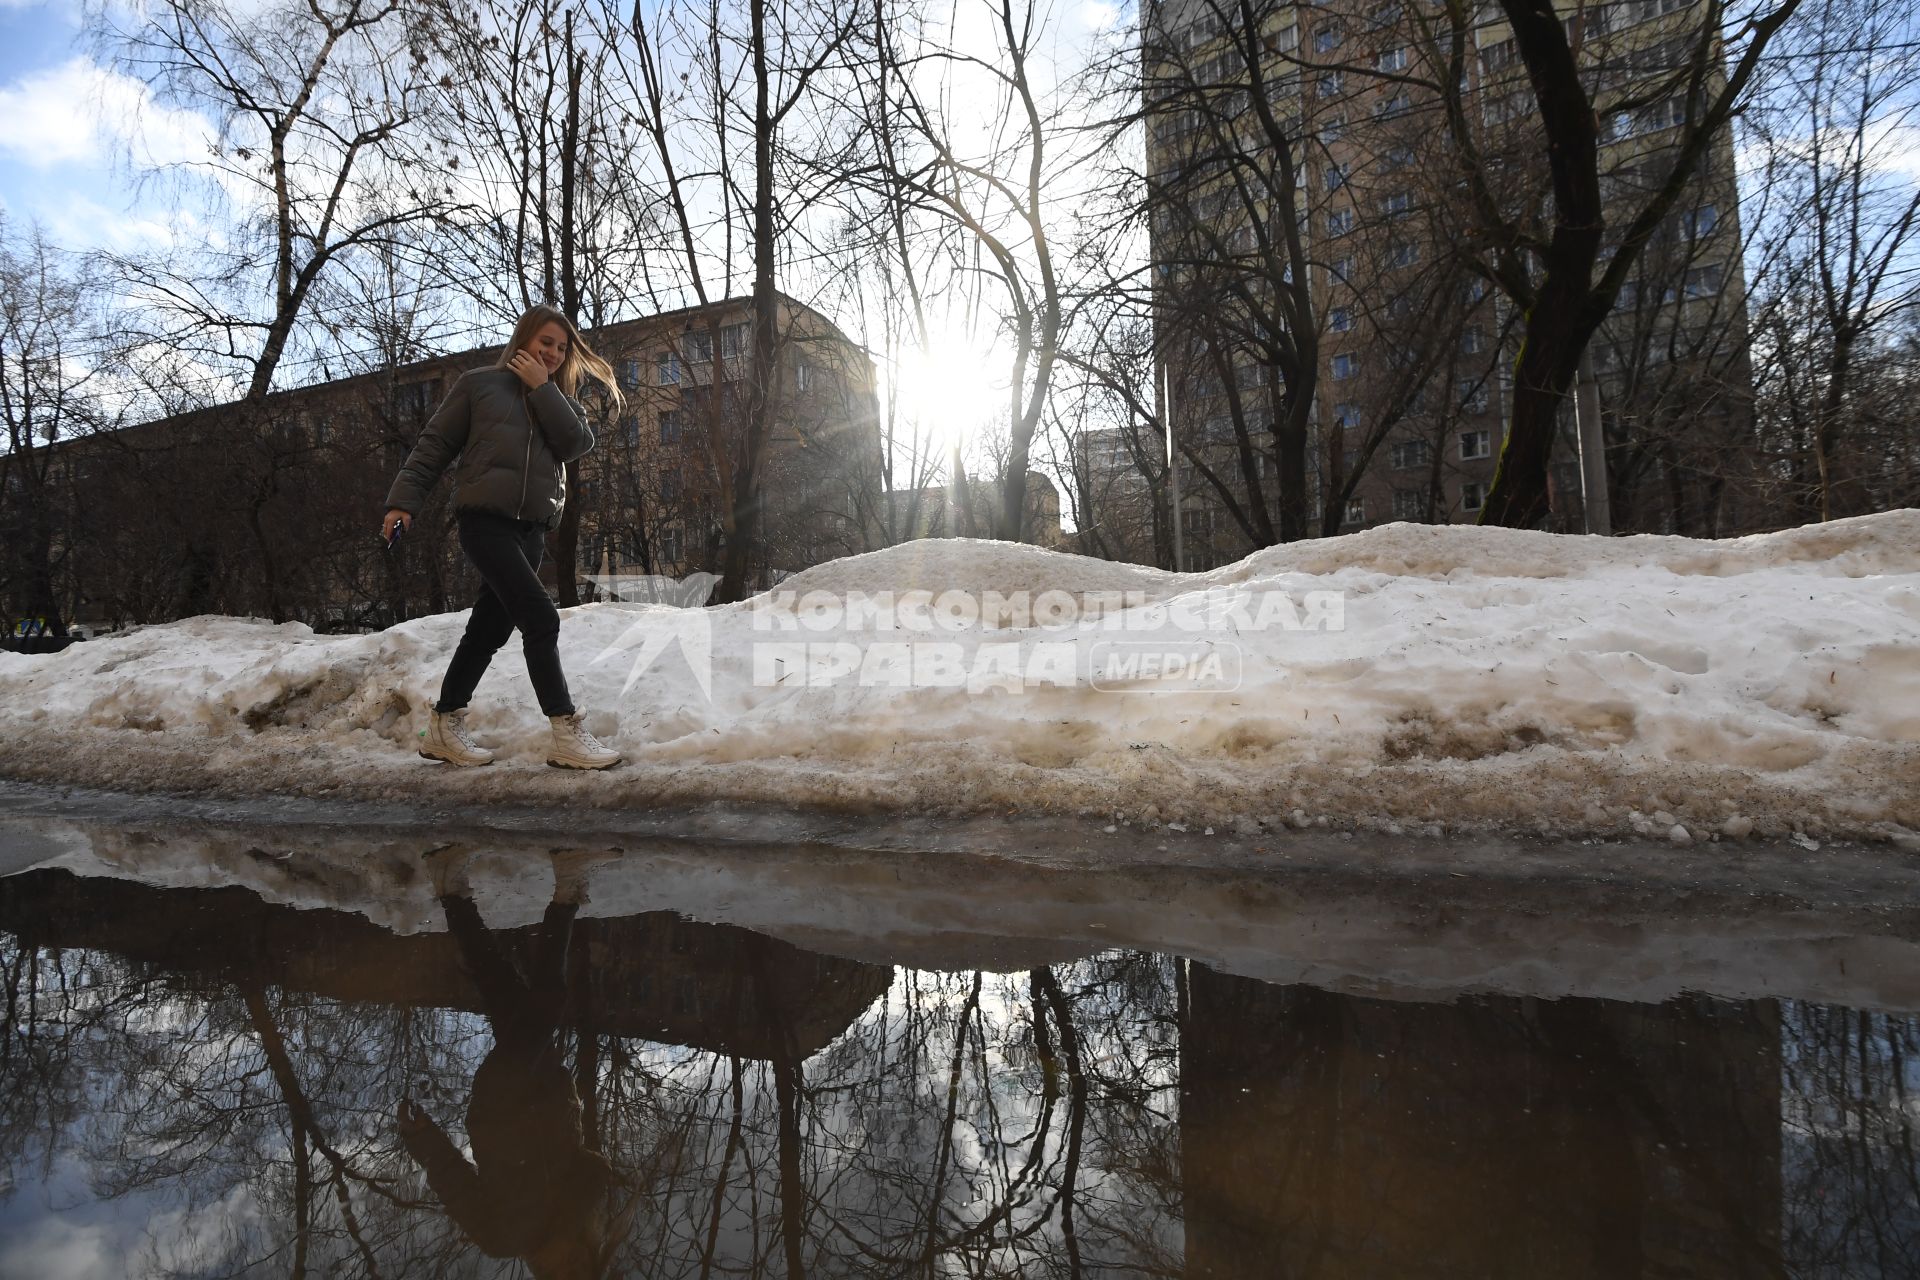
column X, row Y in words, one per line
column 1849, row 1119
column 711, row 986
column 654, row 976
column 1327, row 1135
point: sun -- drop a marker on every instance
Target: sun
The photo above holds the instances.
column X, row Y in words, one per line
column 951, row 392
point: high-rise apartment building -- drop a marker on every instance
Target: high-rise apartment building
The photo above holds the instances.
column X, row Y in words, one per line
column 1343, row 196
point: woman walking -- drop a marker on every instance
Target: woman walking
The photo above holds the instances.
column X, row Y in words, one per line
column 513, row 427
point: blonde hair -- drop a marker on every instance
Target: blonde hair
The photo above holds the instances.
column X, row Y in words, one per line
column 580, row 360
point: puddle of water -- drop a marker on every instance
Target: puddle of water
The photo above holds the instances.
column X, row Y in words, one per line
column 229, row 1050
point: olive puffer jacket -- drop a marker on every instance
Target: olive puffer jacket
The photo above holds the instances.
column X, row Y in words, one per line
column 513, row 445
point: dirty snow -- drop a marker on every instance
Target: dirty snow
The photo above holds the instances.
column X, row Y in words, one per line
column 1685, row 689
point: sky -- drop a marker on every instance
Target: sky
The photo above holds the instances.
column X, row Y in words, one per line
column 66, row 117
column 54, row 155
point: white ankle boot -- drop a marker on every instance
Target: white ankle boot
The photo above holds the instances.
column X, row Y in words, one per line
column 574, row 748
column 447, row 739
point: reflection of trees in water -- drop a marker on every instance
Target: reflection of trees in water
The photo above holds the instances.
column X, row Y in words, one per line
column 774, row 1112
column 1849, row 1114
column 46, row 1024
column 250, row 1118
column 966, row 1123
column 959, row 1123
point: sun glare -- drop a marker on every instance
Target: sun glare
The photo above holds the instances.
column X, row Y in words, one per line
column 952, row 392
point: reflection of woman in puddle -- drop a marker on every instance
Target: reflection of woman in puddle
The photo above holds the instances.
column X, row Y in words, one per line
column 535, row 1188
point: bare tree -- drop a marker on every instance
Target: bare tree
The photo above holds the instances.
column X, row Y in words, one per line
column 990, row 194
column 310, row 104
column 1545, row 255
column 558, row 214
column 313, row 106
column 48, row 381
column 1839, row 223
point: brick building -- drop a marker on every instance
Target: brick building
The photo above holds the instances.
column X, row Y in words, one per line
column 270, row 510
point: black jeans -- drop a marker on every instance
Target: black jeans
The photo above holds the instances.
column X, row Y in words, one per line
column 507, row 552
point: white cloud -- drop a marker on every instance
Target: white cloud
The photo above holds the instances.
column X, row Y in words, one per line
column 80, row 113
column 1895, row 148
column 76, row 219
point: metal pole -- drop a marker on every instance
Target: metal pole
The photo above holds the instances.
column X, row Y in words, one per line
column 1596, row 504
column 1173, row 476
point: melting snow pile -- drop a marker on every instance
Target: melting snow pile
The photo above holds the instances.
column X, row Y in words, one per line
column 1410, row 677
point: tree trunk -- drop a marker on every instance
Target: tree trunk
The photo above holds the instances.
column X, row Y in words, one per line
column 566, row 553
column 1291, row 420
column 42, row 601
column 747, row 497
column 1556, row 334
column 1826, row 436
column 1563, row 315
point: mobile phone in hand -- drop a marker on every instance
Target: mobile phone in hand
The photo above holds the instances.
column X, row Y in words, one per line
column 399, row 527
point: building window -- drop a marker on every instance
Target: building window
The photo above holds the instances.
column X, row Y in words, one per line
column 699, row 345
column 1410, row 504
column 802, row 375
column 733, row 340
column 415, row 399
column 1326, row 40
column 669, row 484
column 1345, row 365
column 1474, row 340
column 1331, row 84
column 1663, row 115
column 1341, row 269
column 1409, row 454
column 667, row 369
column 1699, row 223
column 1336, row 176
column 1475, row 444
column 1346, row 415
column 1473, row 395
column 630, row 429
column 1332, row 127
column 1472, row 495
column 670, row 544
column 669, row 426
column 1339, row 222
column 1403, row 253
column 1398, row 105
column 1396, row 204
column 1357, row 511
column 1340, row 319
column 1391, row 59
column 628, row 375
column 1704, row 282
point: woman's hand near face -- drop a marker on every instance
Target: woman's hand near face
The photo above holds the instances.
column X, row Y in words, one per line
column 528, row 366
